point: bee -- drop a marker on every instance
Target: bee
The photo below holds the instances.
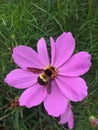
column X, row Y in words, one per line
column 45, row 76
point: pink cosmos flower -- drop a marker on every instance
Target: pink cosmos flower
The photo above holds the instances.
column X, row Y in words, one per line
column 54, row 81
column 67, row 116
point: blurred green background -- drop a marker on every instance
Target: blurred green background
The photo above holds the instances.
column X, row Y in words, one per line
column 24, row 22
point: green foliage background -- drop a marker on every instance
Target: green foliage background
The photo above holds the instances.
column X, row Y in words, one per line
column 24, row 22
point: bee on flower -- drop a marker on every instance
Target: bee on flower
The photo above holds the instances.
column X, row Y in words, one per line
column 52, row 80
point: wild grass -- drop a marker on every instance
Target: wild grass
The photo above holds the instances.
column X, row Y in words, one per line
column 24, row 22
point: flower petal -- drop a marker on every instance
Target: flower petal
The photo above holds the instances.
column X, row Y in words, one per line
column 55, row 103
column 75, row 89
column 21, row 78
column 77, row 65
column 71, row 121
column 43, row 52
column 26, row 57
column 66, row 115
column 64, row 48
column 52, row 43
column 33, row 96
